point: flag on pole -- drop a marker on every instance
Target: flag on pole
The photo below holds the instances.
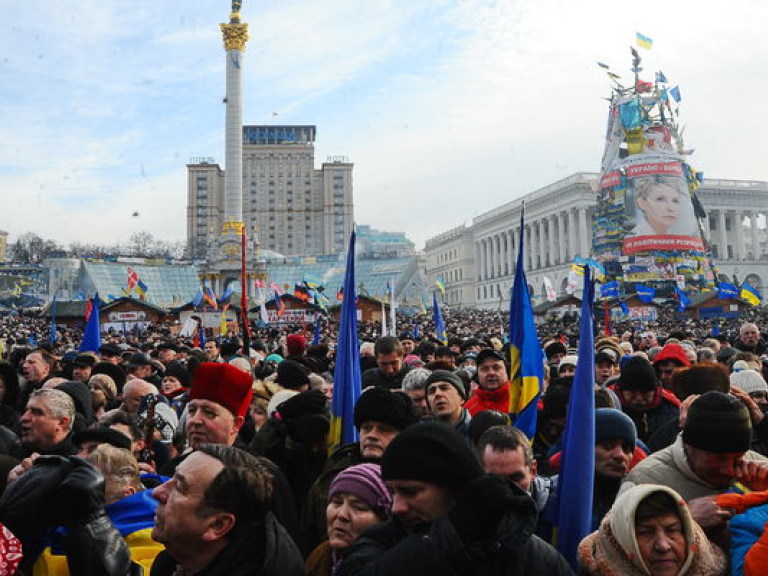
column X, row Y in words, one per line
column 133, row 278
column 643, row 41
column 53, row 321
column 92, row 334
column 750, row 294
column 392, row 308
column 384, row 330
column 423, row 304
column 197, row 300
column 318, row 330
column 645, row 293
column 346, row 375
column 279, row 305
column 223, row 326
column 526, row 355
column 577, row 464
column 440, row 333
column 440, row 285
column 682, row 299
column 726, row 290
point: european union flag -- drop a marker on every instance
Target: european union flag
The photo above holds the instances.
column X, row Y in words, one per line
column 92, row 334
column 440, row 333
column 526, row 355
column 346, row 375
column 577, row 464
column 646, row 293
column 726, row 290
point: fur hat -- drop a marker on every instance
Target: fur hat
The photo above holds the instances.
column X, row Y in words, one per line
column 292, row 375
column 296, row 344
column 430, row 452
column 223, row 384
column 718, row 423
column 382, row 405
column 178, row 371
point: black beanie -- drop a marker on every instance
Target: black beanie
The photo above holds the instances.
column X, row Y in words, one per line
column 449, row 377
column 637, row 374
column 382, row 405
column 718, row 422
column 555, row 402
column 430, row 452
column 611, row 424
column 292, row 375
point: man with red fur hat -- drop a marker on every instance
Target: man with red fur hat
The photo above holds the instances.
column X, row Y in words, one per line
column 295, row 347
column 219, row 397
column 669, row 359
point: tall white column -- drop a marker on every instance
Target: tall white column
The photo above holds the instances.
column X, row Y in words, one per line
column 552, row 233
column 542, row 243
column 571, row 222
column 562, row 244
column 583, row 230
column 740, row 247
column 478, row 262
column 723, row 249
column 754, row 233
column 529, row 248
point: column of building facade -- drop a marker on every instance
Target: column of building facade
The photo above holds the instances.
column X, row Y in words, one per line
column 570, row 221
column 563, row 245
column 755, row 236
column 740, row 247
column 723, row 249
column 583, row 229
column 541, row 244
column 478, row 271
column 529, row 246
column 553, row 239
column 488, row 260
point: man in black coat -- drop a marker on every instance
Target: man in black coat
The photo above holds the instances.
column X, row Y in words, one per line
column 449, row 517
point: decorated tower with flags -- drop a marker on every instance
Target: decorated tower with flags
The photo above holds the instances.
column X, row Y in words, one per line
column 649, row 231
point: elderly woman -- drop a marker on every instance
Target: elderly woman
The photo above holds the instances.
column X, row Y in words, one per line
column 649, row 532
column 357, row 499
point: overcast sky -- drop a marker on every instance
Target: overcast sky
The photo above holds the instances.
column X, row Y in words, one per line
column 448, row 108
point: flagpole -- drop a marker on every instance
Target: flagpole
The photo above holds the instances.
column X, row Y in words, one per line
column 244, row 293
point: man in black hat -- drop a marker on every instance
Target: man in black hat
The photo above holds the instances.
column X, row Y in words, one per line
column 710, row 455
column 139, row 365
column 380, row 415
column 643, row 398
column 111, row 353
column 83, row 366
column 449, row 517
column 494, row 387
column 446, row 395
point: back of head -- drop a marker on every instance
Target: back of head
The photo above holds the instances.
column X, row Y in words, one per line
column 719, row 423
column 244, row 487
column 430, row 452
column 699, row 379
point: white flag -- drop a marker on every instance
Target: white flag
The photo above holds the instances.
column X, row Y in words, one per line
column 551, row 294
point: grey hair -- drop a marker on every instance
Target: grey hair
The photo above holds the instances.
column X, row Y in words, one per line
column 415, row 379
column 58, row 403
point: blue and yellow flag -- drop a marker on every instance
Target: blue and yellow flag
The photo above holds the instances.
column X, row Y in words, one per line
column 750, row 294
column 346, row 376
column 440, row 285
column 577, row 466
column 643, row 41
column 440, row 332
column 423, row 304
column 726, row 290
column 526, row 355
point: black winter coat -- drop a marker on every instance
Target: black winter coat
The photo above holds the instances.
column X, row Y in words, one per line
column 387, row 549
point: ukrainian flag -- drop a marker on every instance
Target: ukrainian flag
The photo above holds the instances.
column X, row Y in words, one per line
column 750, row 294
column 440, row 332
column 440, row 284
column 527, row 357
column 346, row 376
column 644, row 41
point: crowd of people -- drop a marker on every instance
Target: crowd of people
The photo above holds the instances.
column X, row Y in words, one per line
column 161, row 455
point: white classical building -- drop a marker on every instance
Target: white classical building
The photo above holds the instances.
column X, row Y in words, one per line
column 477, row 261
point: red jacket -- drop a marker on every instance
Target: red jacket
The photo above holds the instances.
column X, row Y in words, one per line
column 489, row 400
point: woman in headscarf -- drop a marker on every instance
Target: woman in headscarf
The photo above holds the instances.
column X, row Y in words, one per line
column 357, row 499
column 649, row 532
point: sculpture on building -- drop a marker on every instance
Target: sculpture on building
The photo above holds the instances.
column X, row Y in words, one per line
column 649, row 221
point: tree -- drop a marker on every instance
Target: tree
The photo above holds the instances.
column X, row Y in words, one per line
column 31, row 248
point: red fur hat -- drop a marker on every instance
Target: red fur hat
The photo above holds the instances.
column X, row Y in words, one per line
column 296, row 344
column 223, row 384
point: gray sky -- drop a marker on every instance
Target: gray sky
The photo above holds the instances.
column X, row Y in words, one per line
column 447, row 108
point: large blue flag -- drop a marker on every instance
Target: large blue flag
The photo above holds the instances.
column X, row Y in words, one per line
column 92, row 335
column 610, row 290
column 577, row 464
column 526, row 355
column 346, row 375
column 440, row 333
column 682, row 299
column 318, row 330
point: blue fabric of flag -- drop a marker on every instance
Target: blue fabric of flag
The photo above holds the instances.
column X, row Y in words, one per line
column 726, row 290
column 346, row 376
column 440, row 333
column 577, row 465
column 92, row 334
column 526, row 355
column 646, row 293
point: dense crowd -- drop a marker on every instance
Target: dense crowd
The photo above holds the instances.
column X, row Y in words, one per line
column 161, row 454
